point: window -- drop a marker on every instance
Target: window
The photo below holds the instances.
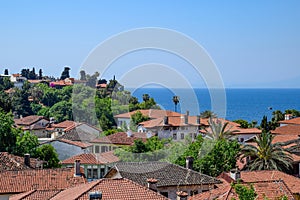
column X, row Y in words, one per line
column 165, row 194
column 104, row 149
column 102, row 172
column 95, row 173
column 89, row 173
column 174, row 136
column 193, row 192
column 97, row 149
column 182, row 136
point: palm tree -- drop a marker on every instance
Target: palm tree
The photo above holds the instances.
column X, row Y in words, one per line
column 219, row 130
column 265, row 155
column 176, row 101
column 208, row 114
column 146, row 97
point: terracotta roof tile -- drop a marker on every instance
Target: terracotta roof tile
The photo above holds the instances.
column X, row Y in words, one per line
column 112, row 189
column 35, row 195
column 120, row 138
column 271, row 175
column 287, row 130
column 64, row 124
column 270, row 189
column 12, row 162
column 76, row 134
column 27, row 121
column 93, row 159
column 75, row 143
column 295, row 121
column 45, row 179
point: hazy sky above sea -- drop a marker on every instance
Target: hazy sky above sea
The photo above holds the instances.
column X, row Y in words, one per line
column 253, row 43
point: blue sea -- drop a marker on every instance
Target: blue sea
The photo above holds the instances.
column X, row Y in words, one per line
column 247, row 104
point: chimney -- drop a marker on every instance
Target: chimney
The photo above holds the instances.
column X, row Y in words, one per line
column 27, row 159
column 152, row 184
column 235, row 174
column 189, row 162
column 129, row 133
column 186, row 119
column 166, row 120
column 288, row 116
column 95, row 195
column 77, row 168
column 198, row 119
column 187, row 113
column 181, row 195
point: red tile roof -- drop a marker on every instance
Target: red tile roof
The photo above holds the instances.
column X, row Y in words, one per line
column 121, row 138
column 152, row 113
column 12, row 162
column 292, row 182
column 295, row 121
column 93, row 159
column 35, row 195
column 75, row 143
column 270, row 189
column 29, row 120
column 45, row 179
column 112, row 189
column 64, row 124
column 172, row 121
column 287, row 130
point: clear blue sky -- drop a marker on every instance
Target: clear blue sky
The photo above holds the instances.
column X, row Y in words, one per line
column 253, row 43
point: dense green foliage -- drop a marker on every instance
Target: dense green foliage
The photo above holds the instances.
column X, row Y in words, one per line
column 8, row 134
column 266, row 155
column 244, row 192
column 47, row 153
column 208, row 114
column 243, row 123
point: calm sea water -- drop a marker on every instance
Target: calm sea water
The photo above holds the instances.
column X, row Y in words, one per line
column 248, row 104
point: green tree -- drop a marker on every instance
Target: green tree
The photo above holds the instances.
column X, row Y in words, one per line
column 222, row 157
column 208, row 114
column 243, row 123
column 5, row 83
column 47, row 153
column 5, row 102
column 244, row 192
column 40, row 74
column 26, row 143
column 138, row 117
column 266, row 155
column 219, row 130
column 8, row 135
column 61, row 111
column 294, row 112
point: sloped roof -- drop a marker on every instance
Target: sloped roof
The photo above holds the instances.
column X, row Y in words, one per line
column 93, row 159
column 75, row 143
column 120, row 138
column 43, row 179
column 287, row 130
column 172, row 121
column 166, row 173
column 78, row 135
column 64, row 124
column 292, row 182
column 27, row 121
column 12, row 162
column 152, row 113
column 270, row 189
column 112, row 189
column 35, row 195
column 295, row 121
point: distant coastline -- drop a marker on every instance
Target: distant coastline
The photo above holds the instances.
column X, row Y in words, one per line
column 242, row 103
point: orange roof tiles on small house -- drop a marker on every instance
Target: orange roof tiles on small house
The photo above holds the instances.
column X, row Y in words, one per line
column 93, row 159
column 267, row 175
column 287, row 130
column 295, row 121
column 29, row 120
column 64, row 124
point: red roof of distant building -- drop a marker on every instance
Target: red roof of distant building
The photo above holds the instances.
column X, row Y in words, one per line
column 29, row 120
column 287, row 130
column 295, row 121
column 152, row 113
column 93, row 159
